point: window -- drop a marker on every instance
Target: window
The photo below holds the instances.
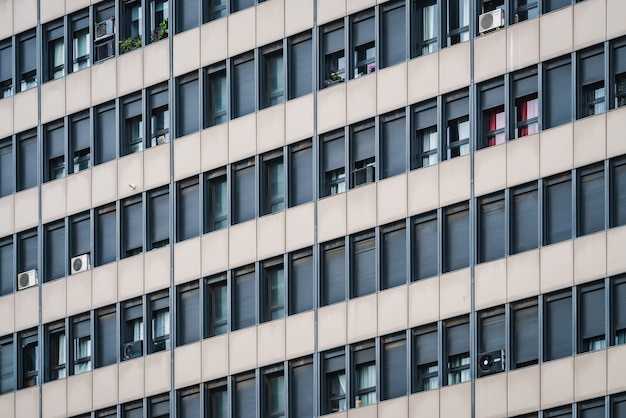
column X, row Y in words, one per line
column 334, row 164
column 333, row 272
column 363, row 154
column 491, row 337
column 237, row 5
column 132, row 125
column 189, row 402
column 591, row 409
column 244, row 298
column 493, row 116
column 217, row 95
column 187, row 15
column 364, row 372
column 54, row 50
column 56, row 351
column 301, row 283
column 525, row 102
column 425, row 246
column 458, row 21
column 159, row 16
column 457, row 351
column 245, row 396
column 158, row 218
column 524, row 230
column 524, row 334
column 333, row 54
column 334, row 381
column 216, row 205
column 393, row 265
column 300, row 64
column 274, row 289
column 160, row 406
column 104, row 28
column 55, row 259
column 557, row 325
column 81, row 44
column 188, row 104
column 618, row 309
column 393, row 33
column 425, row 142
column 618, row 73
column 81, row 344
column 80, row 235
column 106, row 235
column 363, row 43
column 188, row 313
column 26, row 160
column 273, row 402
column 27, row 60
column 557, row 92
column 80, row 142
column 551, row 5
column 132, row 25
column 29, row 359
column 216, row 9
column 562, row 412
column 591, row 93
column 300, row 173
column 394, row 367
column 590, row 209
column 363, row 264
column 273, row 183
column 7, row 365
column 217, row 399
column 217, row 305
column 133, row 409
column 524, row 10
column 491, row 227
column 6, row 68
column 54, row 148
column 132, row 331
column 159, row 115
column 393, row 143
column 457, row 124
column 273, row 75
column 159, row 322
column 7, row 274
column 301, row 399
column 425, row 358
column 27, row 251
column 591, row 317
column 456, row 237
column 243, row 193
column 106, row 336
column 558, row 209
column 618, row 404
column 618, row 192
column 7, row 170
column 243, row 85
column 188, row 216
column 132, row 226
column 105, row 131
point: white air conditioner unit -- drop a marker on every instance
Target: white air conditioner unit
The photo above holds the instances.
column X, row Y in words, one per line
column 491, row 21
column 80, row 263
column 27, row 279
column 133, row 350
column 491, row 362
column 104, row 29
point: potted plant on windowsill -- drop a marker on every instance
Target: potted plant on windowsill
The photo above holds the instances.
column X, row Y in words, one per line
column 161, row 32
column 130, row 43
column 333, row 78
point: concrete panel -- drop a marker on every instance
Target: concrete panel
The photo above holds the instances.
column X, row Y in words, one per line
column 455, row 293
column 557, row 150
column 103, row 82
column 362, row 313
column 54, row 399
column 242, row 350
column 157, row 269
column 270, row 128
column 423, row 190
column 215, row 357
column 187, row 260
column 423, row 78
column 242, row 137
column 130, row 277
column 491, row 396
column 270, row 235
column 6, row 113
column 455, row 401
column 186, row 156
column 105, row 381
column 242, row 244
column 25, row 315
column 328, row 10
column 130, row 175
column 7, row 212
column 188, row 361
column 522, row 44
column 104, row 183
column 590, row 375
column 557, row 266
column 557, row 382
column 590, row 257
column 589, row 144
column 424, row 404
column 298, row 16
column 215, row 252
column 26, row 403
column 522, row 275
column 454, row 67
column 26, row 209
column 79, row 393
column 214, row 147
column 615, row 128
column 271, row 342
column 24, row 15
column 299, row 334
column 454, row 180
column 270, row 22
column 392, row 199
column 556, row 33
column 299, row 117
column 393, row 311
column 7, row 313
column 615, row 244
column 584, row 33
column 53, row 100
column 616, row 362
column 300, row 226
column 130, row 72
column 331, row 106
column 331, row 217
column 361, row 208
column 53, row 200
column 424, row 301
column 156, row 166
column 79, row 192
column 157, row 376
column 391, row 88
column 490, row 167
column 615, row 10
column 79, row 293
column 331, row 326
column 53, row 303
column 104, row 285
column 524, row 387
column 490, row 284
column 155, row 59
column 241, row 31
column 211, row 51
column 23, row 115
column 186, row 51
column 490, row 54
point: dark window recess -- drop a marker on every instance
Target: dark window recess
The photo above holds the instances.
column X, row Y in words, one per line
column 393, row 144
column 217, row 308
column 7, row 365
column 591, row 88
column 80, row 142
column 425, row 32
column 425, row 143
column 159, row 406
column 217, row 399
column 456, row 237
column 6, row 68
column 189, row 402
column 216, row 9
column 187, row 15
column 273, row 183
column 80, row 50
column 618, row 192
column 333, row 54
column 618, row 309
column 557, row 93
column 394, row 368
column 27, row 251
column 394, row 255
column 457, row 124
column 188, row 217
column 26, row 160
column 425, row 244
column 133, row 409
column 54, row 53
column 525, row 103
column 363, row 154
column 243, row 97
column 273, row 392
column 334, row 382
column 81, row 344
column 27, row 60
column 106, row 337
column 159, row 322
column 55, row 259
column 105, row 135
column 237, row 5
column 458, row 21
column 363, row 374
column 590, row 207
column 301, row 399
column 80, row 235
column 300, row 173
column 132, row 227
column 132, row 125
column 216, row 100
column 557, row 326
column 524, row 231
column 618, row 405
column 457, row 353
column 492, row 113
column 363, row 264
column 216, row 201
column 558, row 209
column 158, row 218
column 106, row 235
column 244, row 298
column 592, row 409
column 188, row 105
column 491, row 238
column 301, row 284
column 551, row 5
column 562, row 412
column 334, row 164
column 159, row 115
column 274, row 290
column 54, row 148
column 393, row 33
column 591, row 314
column 618, row 73
column 7, row 169
column 524, row 334
column 245, row 396
column 300, row 65
column 7, row 274
column 243, row 191
column 56, row 351
column 273, row 75
column 188, row 314
column 333, row 273
column 524, row 10
column 29, row 359
column 132, row 331
column 363, row 44
column 491, row 355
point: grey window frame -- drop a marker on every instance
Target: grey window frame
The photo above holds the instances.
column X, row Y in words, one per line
column 7, row 364
column 300, row 166
column 363, row 356
column 243, row 85
column 333, row 162
column 394, row 366
column 217, row 76
column 456, row 236
column 425, row 358
column 104, row 47
column 188, row 219
column 272, row 376
column 79, row 26
column 157, row 98
column 272, row 175
column 159, row 303
column 591, row 70
column 271, row 305
column 491, row 337
column 27, row 157
column 244, row 400
column 53, row 33
column 217, row 403
column 520, row 234
column 333, row 367
column 6, row 68
column 362, row 40
column 617, row 192
column 158, row 231
column 332, row 52
column 26, row 60
column 590, row 208
column 364, row 263
column 524, row 333
column 491, row 229
column 7, row 167
column 363, row 164
column 216, row 186
column 27, row 250
column 300, row 285
column 55, row 151
column 188, row 313
column 524, row 90
column 132, row 317
column 618, row 310
column 81, row 330
column 105, row 350
column 557, row 94
column 592, row 317
column 333, row 276
column 424, row 119
column 457, row 349
column 55, row 258
column 79, row 142
column 392, row 32
column 300, row 64
column 132, row 117
column 554, row 232
column 216, row 288
column 105, row 129
column 244, row 298
column 7, row 265
column 188, row 104
column 56, row 344
column 393, row 255
column 557, row 325
column 268, row 55
column 392, row 146
column 491, row 96
column 132, row 226
column 243, row 193
column 105, row 234
column 301, row 390
column 189, row 402
column 28, row 361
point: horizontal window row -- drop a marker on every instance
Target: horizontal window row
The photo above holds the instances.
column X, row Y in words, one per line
column 158, row 406
column 613, row 406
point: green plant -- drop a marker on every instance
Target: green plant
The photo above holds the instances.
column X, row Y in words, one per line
column 130, row 43
column 160, row 32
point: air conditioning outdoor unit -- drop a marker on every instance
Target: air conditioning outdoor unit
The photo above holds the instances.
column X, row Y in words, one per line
column 133, row 350
column 105, row 50
column 364, row 175
column 80, row 263
column 104, row 29
column 491, row 362
column 27, row 279
column 491, row 21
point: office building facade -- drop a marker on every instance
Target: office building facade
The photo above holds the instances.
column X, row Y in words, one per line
column 295, row 208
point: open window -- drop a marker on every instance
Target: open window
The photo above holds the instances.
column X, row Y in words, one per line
column 617, row 72
column 425, row 358
column 525, row 103
column 333, row 54
column 81, row 344
column 524, row 10
column 104, row 31
column 591, row 317
column 457, row 356
column 56, row 351
column 132, row 125
column 54, row 149
column 27, row 60
column 457, row 124
column 334, row 382
column 426, row 28
column 54, row 50
column 458, row 20
column 493, row 119
column 364, row 374
column 591, row 87
column 29, row 359
column 159, row 14
column 159, row 115
column 80, row 142
column 334, row 163
column 6, row 68
column 363, row 153
column 425, row 142
column 132, row 330
column 363, row 43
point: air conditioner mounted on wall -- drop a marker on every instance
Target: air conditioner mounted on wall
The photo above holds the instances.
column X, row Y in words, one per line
column 491, row 362
column 490, row 21
column 27, row 279
column 80, row 263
